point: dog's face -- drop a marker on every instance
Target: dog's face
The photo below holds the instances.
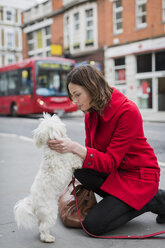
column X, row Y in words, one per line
column 51, row 127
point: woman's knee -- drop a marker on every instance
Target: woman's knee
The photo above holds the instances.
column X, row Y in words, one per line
column 93, row 226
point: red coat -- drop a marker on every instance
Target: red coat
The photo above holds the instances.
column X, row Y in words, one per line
column 116, row 145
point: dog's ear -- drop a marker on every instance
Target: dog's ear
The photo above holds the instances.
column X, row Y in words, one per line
column 38, row 138
column 58, row 129
column 57, row 133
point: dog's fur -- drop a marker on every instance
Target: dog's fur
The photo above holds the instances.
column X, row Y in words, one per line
column 54, row 174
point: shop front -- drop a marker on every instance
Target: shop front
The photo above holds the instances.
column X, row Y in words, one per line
column 143, row 66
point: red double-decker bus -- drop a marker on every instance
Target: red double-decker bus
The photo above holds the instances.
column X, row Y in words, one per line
column 35, row 85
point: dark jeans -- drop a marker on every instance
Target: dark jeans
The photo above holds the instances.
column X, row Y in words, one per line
column 110, row 213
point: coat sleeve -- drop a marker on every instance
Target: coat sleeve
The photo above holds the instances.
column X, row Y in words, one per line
column 124, row 135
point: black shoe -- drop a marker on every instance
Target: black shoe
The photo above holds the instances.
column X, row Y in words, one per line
column 160, row 196
column 160, row 219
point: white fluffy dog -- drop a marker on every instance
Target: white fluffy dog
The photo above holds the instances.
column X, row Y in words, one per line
column 54, row 174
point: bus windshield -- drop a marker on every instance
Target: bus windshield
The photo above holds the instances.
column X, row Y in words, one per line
column 51, row 78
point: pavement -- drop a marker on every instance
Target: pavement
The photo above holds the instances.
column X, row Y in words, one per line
column 19, row 162
column 153, row 116
column 148, row 116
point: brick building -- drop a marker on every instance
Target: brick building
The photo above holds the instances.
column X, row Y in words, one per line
column 123, row 38
column 135, row 53
column 73, row 25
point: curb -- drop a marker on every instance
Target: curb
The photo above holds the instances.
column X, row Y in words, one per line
column 154, row 121
column 161, row 164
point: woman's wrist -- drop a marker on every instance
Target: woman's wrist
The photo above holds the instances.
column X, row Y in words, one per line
column 80, row 150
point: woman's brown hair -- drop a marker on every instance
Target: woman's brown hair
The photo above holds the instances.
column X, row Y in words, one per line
column 90, row 78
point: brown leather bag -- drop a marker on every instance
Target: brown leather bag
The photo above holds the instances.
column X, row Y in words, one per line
column 67, row 205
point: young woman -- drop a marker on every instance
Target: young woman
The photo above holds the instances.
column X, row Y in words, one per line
column 119, row 164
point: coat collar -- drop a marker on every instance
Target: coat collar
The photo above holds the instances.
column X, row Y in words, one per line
column 111, row 107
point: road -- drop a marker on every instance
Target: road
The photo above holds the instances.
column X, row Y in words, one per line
column 19, row 163
column 23, row 126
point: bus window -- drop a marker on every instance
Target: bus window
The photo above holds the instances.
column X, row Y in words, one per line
column 55, row 81
column 3, row 84
column 49, row 82
column 13, row 83
column 26, row 86
column 63, row 80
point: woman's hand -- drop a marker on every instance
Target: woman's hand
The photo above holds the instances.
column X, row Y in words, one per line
column 62, row 145
column 67, row 145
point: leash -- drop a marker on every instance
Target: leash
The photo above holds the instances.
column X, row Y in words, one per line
column 151, row 235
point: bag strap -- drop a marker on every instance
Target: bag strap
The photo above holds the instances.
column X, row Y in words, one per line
column 152, row 235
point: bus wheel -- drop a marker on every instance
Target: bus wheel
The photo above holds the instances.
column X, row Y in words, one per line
column 14, row 110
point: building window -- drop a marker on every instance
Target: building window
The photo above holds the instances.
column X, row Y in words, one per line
column 48, row 54
column 47, row 30
column 76, row 18
column 30, row 38
column 141, row 13
column 67, row 34
column 117, row 16
column 9, row 59
column 76, row 21
column 144, row 93
column 8, row 15
column 144, row 63
column 163, row 10
column 39, row 41
column 120, row 71
column 10, row 40
column 47, row 36
column 39, row 55
column 160, row 61
column 89, row 27
column 48, row 42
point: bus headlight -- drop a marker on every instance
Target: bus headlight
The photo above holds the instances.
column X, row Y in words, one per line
column 40, row 102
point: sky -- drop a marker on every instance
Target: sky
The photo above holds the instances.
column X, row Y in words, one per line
column 22, row 4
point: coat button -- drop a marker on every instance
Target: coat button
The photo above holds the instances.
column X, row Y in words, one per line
column 89, row 163
column 91, row 155
column 124, row 159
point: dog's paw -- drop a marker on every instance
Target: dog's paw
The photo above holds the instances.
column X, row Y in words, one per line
column 47, row 238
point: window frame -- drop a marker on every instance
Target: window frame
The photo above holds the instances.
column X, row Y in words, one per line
column 76, row 32
column 67, row 33
column 47, row 39
column 12, row 11
column 31, row 41
column 89, row 41
column 139, row 15
column 117, row 10
column 119, row 68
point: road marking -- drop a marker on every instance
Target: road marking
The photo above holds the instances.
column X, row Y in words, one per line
column 11, row 135
column 25, row 138
column 8, row 135
column 161, row 164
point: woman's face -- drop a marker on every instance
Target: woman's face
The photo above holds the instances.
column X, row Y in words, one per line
column 80, row 96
